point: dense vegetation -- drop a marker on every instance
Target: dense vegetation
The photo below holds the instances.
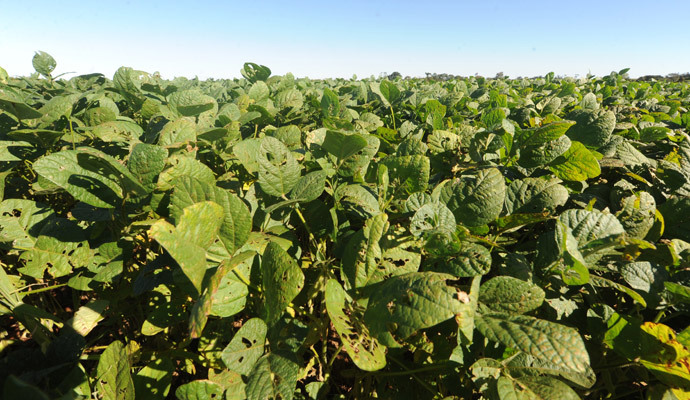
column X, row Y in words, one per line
column 274, row 237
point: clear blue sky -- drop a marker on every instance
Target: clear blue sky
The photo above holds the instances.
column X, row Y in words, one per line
column 338, row 39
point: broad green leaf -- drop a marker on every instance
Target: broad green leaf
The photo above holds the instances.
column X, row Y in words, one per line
column 646, row 278
column 470, row 259
column 247, row 151
column 192, row 102
column 282, row 280
column 412, row 172
column 417, row 200
column 637, row 214
column 21, row 222
column 545, row 133
column 246, row 347
column 432, row 216
column 55, row 109
column 576, row 164
column 592, row 128
column 146, row 162
column 153, row 381
column 309, row 187
column 178, row 132
column 330, row 104
column 88, row 316
column 534, row 195
column 525, row 364
column 289, row 98
column 512, row 295
column 97, row 189
column 199, row 390
column 255, row 72
column 357, row 199
column 534, row 388
column 43, row 63
column 259, row 91
column 390, row 91
column 365, row 351
column 682, row 292
column 188, row 240
column 537, row 156
column 273, row 376
column 475, row 199
column 363, row 252
column 231, row 295
column 435, row 112
column 603, row 282
column 278, row 169
column 163, row 310
column 357, row 164
column 61, row 246
column 113, row 379
column 676, row 213
column 236, row 219
column 558, row 344
column 588, row 226
column 407, row 303
column 117, row 131
column 343, row 146
column 184, row 166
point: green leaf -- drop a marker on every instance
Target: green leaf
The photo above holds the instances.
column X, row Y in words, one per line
column 432, row 216
column 273, row 376
column 246, row 347
column 470, row 259
column 88, row 316
column 187, row 242
column 61, row 246
column 592, row 128
column 435, row 112
column 545, row 133
column 576, row 164
column 154, row 380
column 278, row 170
column 535, row 195
column 199, row 390
column 475, row 199
column 343, row 146
column 646, row 278
column 676, row 213
column 178, row 132
column 536, row 156
column 21, row 222
column 410, row 171
column 236, row 218
column 282, row 280
column 365, row 351
column 358, row 199
column 588, row 226
column 534, row 388
column 511, row 295
column 97, row 189
column 309, row 187
column 146, row 162
column 289, row 98
column 558, row 344
column 43, row 63
column 525, row 364
column 363, row 252
column 603, row 282
column 682, row 292
column 390, row 91
column 192, row 102
column 255, row 72
column 231, row 295
column 113, row 379
column 330, row 104
column 407, row 303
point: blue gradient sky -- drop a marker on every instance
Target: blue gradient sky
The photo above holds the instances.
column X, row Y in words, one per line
column 338, row 39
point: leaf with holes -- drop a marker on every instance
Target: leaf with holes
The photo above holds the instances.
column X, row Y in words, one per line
column 246, row 347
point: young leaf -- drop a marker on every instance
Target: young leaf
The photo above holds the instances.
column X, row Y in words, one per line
column 343, row 146
column 576, row 164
